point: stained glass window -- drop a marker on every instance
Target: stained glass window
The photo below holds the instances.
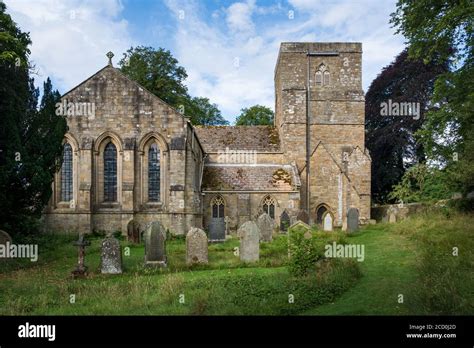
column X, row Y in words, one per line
column 66, row 174
column 153, row 173
column 110, row 173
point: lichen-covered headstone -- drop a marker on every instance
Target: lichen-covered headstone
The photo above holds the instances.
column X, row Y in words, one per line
column 327, row 222
column 265, row 224
column 155, row 244
column 249, row 242
column 352, row 220
column 196, row 246
column 111, row 256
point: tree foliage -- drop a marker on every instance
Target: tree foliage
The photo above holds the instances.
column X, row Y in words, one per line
column 158, row 71
column 391, row 139
column 30, row 138
column 254, row 116
column 443, row 30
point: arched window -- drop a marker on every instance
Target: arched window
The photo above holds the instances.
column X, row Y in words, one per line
column 154, row 173
column 269, row 206
column 319, row 214
column 326, row 78
column 319, row 78
column 217, row 207
column 110, row 173
column 323, row 76
column 66, row 174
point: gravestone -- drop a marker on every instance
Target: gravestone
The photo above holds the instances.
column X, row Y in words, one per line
column 155, row 244
column 303, row 216
column 81, row 270
column 298, row 227
column 249, row 242
column 327, row 222
column 196, row 246
column 352, row 220
column 5, row 237
column 284, row 221
column 265, row 224
column 133, row 232
column 111, row 256
column 217, row 228
column 392, row 218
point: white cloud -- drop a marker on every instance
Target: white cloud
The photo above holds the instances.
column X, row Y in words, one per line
column 70, row 39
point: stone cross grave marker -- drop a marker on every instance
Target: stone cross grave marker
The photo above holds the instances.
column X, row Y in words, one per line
column 265, row 224
column 155, row 244
column 81, row 269
column 352, row 220
column 327, row 222
column 111, row 256
column 249, row 242
column 196, row 246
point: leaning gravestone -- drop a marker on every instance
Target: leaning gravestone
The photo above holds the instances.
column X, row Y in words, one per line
column 5, row 237
column 352, row 220
column 265, row 224
column 155, row 247
column 327, row 222
column 111, row 256
column 133, row 231
column 196, row 246
column 284, row 221
column 303, row 216
column 249, row 242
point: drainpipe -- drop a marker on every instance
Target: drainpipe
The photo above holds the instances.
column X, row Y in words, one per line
column 308, row 139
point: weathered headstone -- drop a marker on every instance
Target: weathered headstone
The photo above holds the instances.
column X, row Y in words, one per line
column 111, row 256
column 249, row 242
column 392, row 218
column 81, row 269
column 5, row 237
column 327, row 222
column 217, row 227
column 352, row 220
column 297, row 227
column 155, row 244
column 303, row 216
column 133, row 231
column 284, row 221
column 196, row 246
column 265, row 224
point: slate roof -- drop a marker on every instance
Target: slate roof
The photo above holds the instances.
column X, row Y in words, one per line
column 257, row 138
column 259, row 177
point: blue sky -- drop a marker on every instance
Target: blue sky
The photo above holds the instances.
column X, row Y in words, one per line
column 228, row 48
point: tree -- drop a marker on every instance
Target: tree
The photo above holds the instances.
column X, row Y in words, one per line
column 254, row 116
column 158, row 71
column 203, row 112
column 391, row 139
column 443, row 30
column 30, row 138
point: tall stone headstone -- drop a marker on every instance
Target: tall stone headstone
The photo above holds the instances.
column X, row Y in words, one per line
column 352, row 220
column 155, row 244
column 133, row 231
column 303, row 216
column 249, row 242
column 265, row 224
column 196, row 246
column 111, row 256
column 5, row 237
column 327, row 222
column 284, row 221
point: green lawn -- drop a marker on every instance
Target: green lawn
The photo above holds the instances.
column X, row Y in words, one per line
column 412, row 258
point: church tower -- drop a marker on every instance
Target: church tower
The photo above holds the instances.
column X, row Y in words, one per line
column 319, row 114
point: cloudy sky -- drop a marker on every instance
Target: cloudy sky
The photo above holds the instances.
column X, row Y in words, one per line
column 228, row 48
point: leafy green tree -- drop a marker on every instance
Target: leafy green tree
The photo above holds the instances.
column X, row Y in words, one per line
column 391, row 139
column 158, row 71
column 30, row 139
column 443, row 30
column 254, row 116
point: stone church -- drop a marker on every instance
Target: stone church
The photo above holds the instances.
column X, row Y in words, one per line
column 134, row 159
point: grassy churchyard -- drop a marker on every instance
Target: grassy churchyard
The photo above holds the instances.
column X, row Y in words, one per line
column 411, row 267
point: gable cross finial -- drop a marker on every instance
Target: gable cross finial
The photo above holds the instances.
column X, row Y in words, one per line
column 110, row 55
